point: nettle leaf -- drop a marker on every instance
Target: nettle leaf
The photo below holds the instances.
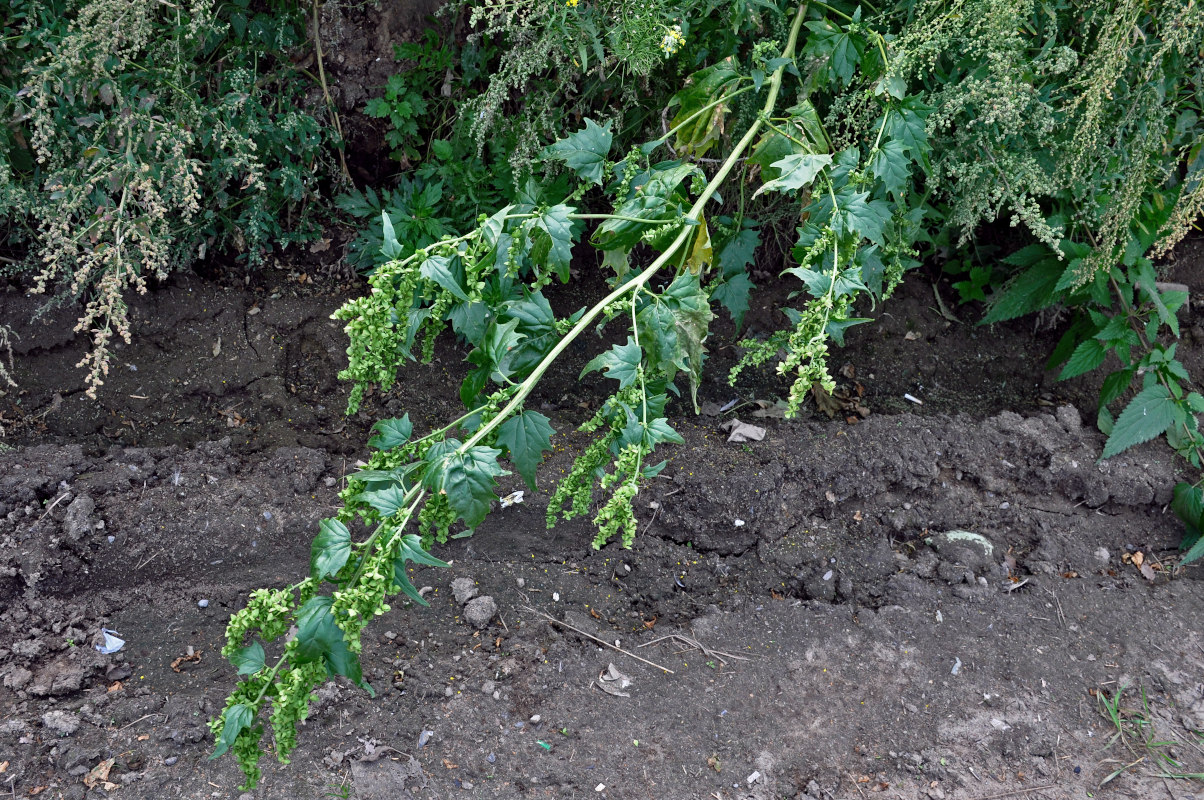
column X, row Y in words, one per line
column 249, row 659
column 391, row 433
column 330, row 550
column 1188, row 505
column 585, row 151
column 237, row 718
column 1030, row 291
column 411, row 550
column 553, row 240
column 468, row 479
column 445, row 271
column 1115, row 384
column 1086, row 357
column 890, row 164
column 320, row 638
column 1149, row 414
column 705, row 86
column 526, row 437
column 795, row 171
column 621, row 362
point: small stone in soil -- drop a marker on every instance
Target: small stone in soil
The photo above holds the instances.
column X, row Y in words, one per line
column 202, row 604
column 171, row 760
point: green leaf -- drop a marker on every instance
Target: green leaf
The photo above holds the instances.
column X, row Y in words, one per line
column 739, row 252
column 1194, row 553
column 585, row 151
column 1030, row 291
column 390, row 247
column 697, row 136
column 249, row 659
column 391, row 433
column 674, row 325
column 1115, row 384
column 330, row 550
column 320, row 638
column 905, row 124
column 526, row 437
column 733, row 294
column 864, row 219
column 553, row 240
column 237, row 718
column 1149, row 414
column 411, row 549
column 1086, row 357
column 468, row 480
column 500, row 340
column 890, row 164
column 442, row 270
column 1188, row 505
column 659, row 430
column 795, row 171
column 841, row 49
column 621, row 362
column 387, row 501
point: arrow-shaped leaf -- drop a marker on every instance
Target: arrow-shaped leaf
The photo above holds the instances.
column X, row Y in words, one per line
column 620, row 362
column 330, row 550
column 391, row 433
column 468, row 480
column 526, row 437
column 237, row 718
column 795, row 171
column 249, row 659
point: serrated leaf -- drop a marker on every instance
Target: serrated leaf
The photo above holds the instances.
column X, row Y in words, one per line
column 249, row 659
column 585, row 151
column 674, row 324
column 855, row 215
column 320, row 638
column 795, row 171
column 468, row 479
column 659, row 430
column 237, row 718
column 330, row 550
column 739, row 252
column 555, row 246
column 841, row 49
column 526, row 437
column 391, row 433
column 442, row 270
column 890, row 164
column 621, row 362
column 1115, row 385
column 1194, row 553
column 905, row 124
column 733, row 294
column 1030, row 291
column 1188, row 505
column 1086, row 357
column 1149, row 414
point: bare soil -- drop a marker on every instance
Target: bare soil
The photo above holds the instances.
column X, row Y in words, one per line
column 814, row 636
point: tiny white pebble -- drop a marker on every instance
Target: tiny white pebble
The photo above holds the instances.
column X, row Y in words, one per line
column 555, row 597
column 599, row 787
column 739, row 523
column 535, row 718
column 202, row 603
column 828, row 575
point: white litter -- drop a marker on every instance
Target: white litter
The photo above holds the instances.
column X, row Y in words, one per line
column 112, row 643
column 512, row 499
column 913, row 399
column 957, row 666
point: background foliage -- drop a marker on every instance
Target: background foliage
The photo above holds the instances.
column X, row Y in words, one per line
column 140, row 136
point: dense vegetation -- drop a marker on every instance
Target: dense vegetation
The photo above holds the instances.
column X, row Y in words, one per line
column 676, row 139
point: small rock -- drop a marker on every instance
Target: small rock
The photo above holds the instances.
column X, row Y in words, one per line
column 448, row 692
column 171, row 760
column 464, row 589
column 202, row 604
column 521, row 582
column 1102, row 556
column 17, row 678
column 491, row 758
column 488, row 687
column 480, row 611
column 60, row 723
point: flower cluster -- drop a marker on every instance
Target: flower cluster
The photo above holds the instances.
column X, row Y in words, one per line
column 672, row 41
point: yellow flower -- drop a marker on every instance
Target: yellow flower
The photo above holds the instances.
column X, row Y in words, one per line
column 571, row 3
column 672, row 40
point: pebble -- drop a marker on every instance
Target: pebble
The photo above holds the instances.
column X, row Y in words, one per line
column 521, row 582
column 202, row 604
column 171, row 760
column 491, row 758
column 449, row 691
column 535, row 718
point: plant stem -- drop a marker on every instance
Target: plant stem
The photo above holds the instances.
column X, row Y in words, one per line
column 334, row 112
column 635, row 284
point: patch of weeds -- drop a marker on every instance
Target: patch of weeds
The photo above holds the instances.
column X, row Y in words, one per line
column 1137, row 730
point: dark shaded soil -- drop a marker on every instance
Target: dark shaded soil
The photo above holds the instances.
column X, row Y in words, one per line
column 852, row 653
